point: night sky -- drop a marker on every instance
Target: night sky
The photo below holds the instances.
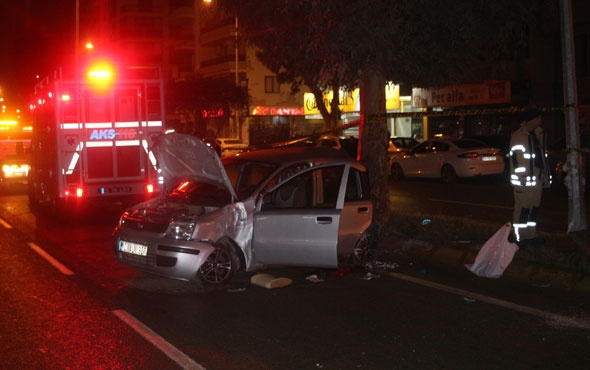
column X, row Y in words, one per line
column 35, row 35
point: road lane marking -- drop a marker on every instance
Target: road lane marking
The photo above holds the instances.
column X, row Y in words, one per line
column 5, row 224
column 470, row 204
column 58, row 265
column 549, row 316
column 162, row 344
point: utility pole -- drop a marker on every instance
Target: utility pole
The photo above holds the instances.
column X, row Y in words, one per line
column 576, row 203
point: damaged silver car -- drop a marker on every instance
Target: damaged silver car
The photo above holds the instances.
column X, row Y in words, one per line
column 299, row 206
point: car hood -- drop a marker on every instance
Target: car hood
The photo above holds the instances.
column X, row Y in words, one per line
column 182, row 156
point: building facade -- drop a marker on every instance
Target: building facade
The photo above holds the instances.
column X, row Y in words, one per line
column 192, row 37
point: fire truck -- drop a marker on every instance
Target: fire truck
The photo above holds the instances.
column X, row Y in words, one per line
column 91, row 138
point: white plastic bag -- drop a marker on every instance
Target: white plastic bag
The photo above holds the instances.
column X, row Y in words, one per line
column 495, row 255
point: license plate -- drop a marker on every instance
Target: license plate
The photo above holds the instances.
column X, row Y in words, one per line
column 487, row 158
column 133, row 248
column 115, row 190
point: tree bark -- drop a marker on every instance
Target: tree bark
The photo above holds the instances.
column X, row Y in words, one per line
column 332, row 117
column 373, row 142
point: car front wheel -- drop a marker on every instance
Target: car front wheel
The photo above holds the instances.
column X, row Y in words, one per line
column 219, row 268
column 448, row 174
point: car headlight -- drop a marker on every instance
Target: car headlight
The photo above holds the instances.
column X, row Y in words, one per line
column 181, row 229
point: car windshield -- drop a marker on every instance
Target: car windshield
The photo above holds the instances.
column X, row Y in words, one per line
column 468, row 143
column 404, row 142
column 245, row 176
column 200, row 193
column 232, row 141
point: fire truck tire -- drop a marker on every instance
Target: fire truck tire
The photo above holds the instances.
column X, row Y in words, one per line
column 33, row 198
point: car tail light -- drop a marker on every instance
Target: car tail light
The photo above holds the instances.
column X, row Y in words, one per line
column 149, row 188
column 470, row 155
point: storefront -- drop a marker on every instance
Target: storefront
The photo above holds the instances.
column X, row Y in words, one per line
column 470, row 110
column 350, row 107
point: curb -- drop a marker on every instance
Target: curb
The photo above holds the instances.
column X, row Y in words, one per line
column 519, row 269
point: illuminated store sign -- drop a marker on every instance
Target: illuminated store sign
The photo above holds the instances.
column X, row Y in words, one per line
column 350, row 100
column 493, row 92
column 277, row 111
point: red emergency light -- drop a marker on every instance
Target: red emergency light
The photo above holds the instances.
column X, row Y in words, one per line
column 79, row 192
column 100, row 74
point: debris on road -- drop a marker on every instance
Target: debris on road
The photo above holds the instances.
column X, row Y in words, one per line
column 370, row 276
column 270, row 282
column 314, row 279
column 495, row 255
column 381, row 265
column 341, row 271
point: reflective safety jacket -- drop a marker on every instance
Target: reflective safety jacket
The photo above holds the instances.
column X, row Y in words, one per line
column 522, row 159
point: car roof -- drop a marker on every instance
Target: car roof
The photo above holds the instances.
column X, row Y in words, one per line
column 293, row 154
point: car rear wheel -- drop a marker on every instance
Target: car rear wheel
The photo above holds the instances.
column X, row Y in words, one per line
column 219, row 268
column 396, row 172
column 448, row 174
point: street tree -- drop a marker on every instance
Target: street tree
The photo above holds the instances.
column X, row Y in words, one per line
column 333, row 44
column 194, row 97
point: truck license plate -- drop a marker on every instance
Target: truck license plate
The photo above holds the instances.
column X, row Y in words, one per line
column 133, row 248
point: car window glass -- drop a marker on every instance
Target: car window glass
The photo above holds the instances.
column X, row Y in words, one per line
column 439, row 146
column 246, row 176
column 285, row 173
column 469, row 143
column 357, row 186
column 422, row 148
column 327, row 193
column 312, row 189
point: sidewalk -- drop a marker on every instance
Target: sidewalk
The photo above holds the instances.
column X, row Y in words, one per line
column 563, row 260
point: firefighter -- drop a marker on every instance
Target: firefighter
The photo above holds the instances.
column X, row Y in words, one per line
column 529, row 174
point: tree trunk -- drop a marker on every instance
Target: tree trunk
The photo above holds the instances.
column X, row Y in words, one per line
column 332, row 117
column 373, row 142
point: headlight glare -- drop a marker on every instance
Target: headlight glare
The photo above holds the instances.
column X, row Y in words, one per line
column 181, row 230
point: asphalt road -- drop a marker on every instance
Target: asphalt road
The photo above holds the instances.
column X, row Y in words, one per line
column 106, row 315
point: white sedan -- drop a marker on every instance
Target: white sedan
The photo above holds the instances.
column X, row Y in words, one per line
column 447, row 159
column 230, row 146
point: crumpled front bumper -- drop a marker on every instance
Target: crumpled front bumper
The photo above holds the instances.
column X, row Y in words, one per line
column 177, row 259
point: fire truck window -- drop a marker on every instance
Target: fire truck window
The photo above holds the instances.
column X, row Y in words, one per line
column 128, row 161
column 97, row 109
column 126, row 106
column 69, row 108
column 153, row 102
column 98, row 162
